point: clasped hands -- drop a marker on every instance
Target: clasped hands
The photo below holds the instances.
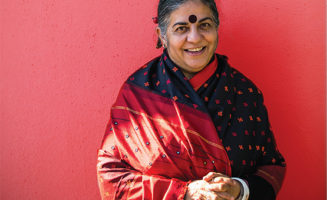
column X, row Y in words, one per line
column 213, row 186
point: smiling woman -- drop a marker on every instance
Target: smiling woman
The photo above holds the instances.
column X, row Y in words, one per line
column 190, row 43
column 187, row 125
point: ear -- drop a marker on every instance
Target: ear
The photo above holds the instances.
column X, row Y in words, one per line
column 159, row 33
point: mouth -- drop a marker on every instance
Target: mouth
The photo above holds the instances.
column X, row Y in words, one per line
column 195, row 51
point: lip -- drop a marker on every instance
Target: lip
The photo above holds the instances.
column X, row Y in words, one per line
column 195, row 53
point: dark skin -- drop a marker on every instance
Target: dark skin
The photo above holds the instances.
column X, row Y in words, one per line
column 213, row 186
column 191, row 41
column 190, row 45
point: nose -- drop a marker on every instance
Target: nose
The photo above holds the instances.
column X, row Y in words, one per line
column 194, row 35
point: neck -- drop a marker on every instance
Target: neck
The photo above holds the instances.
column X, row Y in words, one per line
column 188, row 75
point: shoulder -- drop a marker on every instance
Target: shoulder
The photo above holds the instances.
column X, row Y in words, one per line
column 242, row 83
column 143, row 73
column 245, row 83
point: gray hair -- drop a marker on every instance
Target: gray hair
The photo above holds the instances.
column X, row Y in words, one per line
column 166, row 7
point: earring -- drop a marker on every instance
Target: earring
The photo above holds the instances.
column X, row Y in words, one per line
column 164, row 44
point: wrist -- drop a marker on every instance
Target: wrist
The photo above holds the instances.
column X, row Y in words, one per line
column 245, row 192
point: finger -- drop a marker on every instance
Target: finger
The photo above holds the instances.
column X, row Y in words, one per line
column 207, row 195
column 198, row 196
column 209, row 176
column 223, row 180
column 202, row 195
column 212, row 175
column 218, row 180
column 218, row 187
column 225, row 195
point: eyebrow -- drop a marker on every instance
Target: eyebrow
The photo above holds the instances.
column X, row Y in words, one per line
column 180, row 23
column 185, row 23
column 201, row 20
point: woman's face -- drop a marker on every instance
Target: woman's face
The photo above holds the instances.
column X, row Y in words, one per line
column 191, row 45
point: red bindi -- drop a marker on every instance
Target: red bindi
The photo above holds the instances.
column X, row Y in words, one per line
column 192, row 19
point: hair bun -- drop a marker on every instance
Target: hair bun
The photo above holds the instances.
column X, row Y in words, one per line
column 155, row 20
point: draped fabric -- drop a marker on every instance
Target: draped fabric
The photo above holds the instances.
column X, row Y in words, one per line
column 166, row 131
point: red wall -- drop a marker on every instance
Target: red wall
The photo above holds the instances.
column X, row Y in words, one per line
column 62, row 63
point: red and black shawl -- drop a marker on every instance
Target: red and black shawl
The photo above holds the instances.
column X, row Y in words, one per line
column 165, row 131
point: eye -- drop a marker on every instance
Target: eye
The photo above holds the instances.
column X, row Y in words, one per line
column 205, row 26
column 181, row 29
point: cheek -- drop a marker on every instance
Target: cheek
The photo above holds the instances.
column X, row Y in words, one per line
column 176, row 43
column 213, row 40
column 212, row 37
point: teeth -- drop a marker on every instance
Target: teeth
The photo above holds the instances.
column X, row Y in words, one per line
column 196, row 49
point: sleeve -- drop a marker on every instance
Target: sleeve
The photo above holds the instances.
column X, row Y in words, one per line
column 118, row 180
column 266, row 182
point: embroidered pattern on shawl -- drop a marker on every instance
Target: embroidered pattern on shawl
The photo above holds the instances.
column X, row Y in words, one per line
column 163, row 133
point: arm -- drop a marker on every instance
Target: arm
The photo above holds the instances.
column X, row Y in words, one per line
column 266, row 182
column 118, row 180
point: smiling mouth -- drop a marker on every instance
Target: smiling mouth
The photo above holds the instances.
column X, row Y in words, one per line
column 195, row 51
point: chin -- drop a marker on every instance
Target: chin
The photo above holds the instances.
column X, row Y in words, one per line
column 198, row 66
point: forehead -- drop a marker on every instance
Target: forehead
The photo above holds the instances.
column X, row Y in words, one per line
column 196, row 8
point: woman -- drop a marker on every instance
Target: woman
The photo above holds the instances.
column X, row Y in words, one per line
column 187, row 125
